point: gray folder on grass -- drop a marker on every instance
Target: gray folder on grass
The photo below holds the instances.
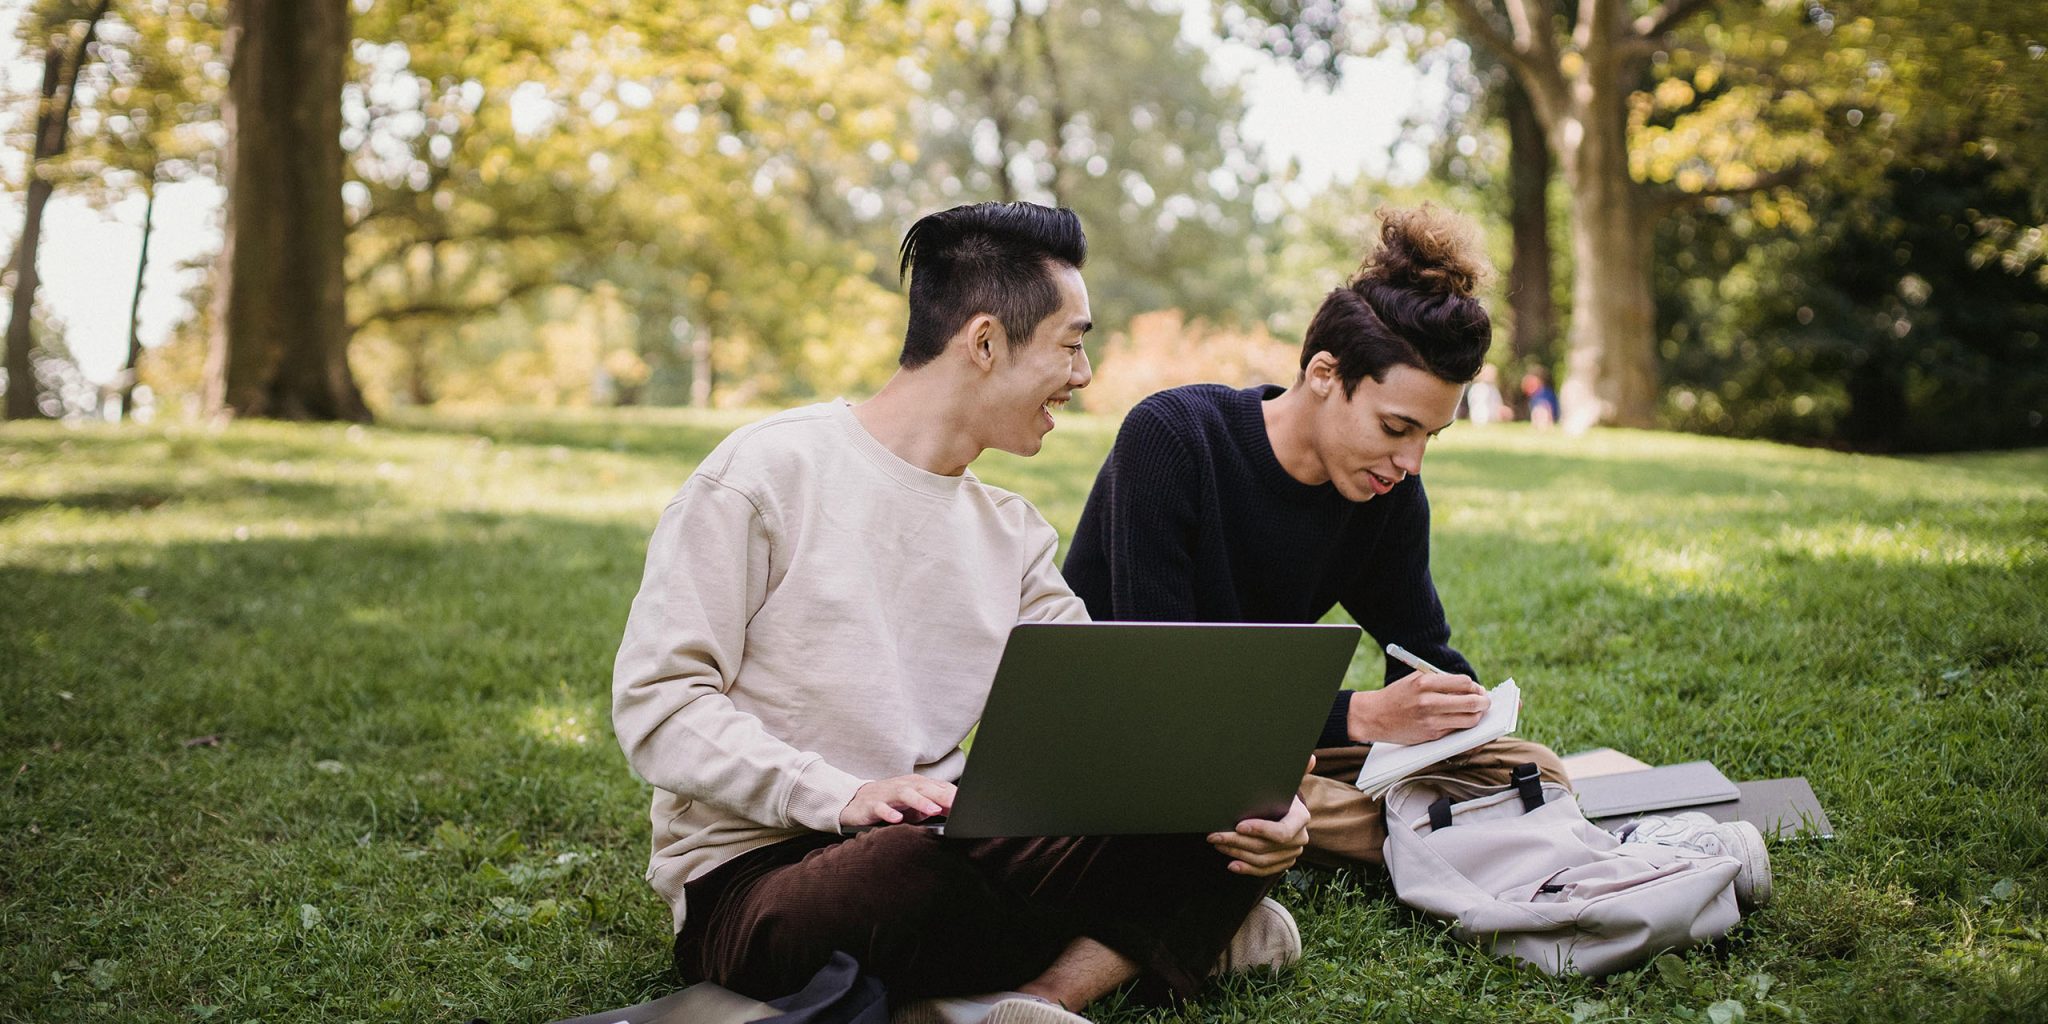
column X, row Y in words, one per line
column 1779, row 808
column 1657, row 789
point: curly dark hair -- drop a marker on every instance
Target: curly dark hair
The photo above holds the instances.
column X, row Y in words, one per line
column 1410, row 303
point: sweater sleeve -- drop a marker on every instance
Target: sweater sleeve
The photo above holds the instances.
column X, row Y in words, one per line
column 706, row 576
column 1149, row 522
column 1392, row 595
column 1044, row 595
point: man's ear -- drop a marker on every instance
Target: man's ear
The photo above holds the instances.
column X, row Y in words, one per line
column 984, row 336
column 1321, row 374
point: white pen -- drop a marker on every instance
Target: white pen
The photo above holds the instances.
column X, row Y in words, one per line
column 1400, row 654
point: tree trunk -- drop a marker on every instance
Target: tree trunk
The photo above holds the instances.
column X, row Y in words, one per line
column 700, row 367
column 280, row 347
column 1611, row 376
column 21, row 374
column 1058, row 115
column 419, row 382
column 999, row 117
column 128, row 371
column 1533, row 330
column 53, row 123
column 1877, row 400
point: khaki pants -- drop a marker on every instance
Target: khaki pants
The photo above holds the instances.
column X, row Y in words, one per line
column 1347, row 828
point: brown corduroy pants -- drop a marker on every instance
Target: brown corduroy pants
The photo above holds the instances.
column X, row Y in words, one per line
column 931, row 916
column 1347, row 828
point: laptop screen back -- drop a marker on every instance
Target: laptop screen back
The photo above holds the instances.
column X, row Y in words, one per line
column 1136, row 728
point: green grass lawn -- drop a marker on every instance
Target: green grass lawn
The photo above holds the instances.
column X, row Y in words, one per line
column 310, row 723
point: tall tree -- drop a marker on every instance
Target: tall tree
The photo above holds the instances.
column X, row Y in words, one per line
column 149, row 120
column 1583, row 70
column 1579, row 83
column 63, row 58
column 125, row 383
column 1315, row 36
column 1488, row 102
column 280, row 347
column 1532, row 330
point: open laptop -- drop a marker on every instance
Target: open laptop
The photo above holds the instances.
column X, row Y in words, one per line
column 1123, row 728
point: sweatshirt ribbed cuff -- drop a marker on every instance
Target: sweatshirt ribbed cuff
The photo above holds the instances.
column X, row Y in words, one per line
column 1337, row 728
column 820, row 793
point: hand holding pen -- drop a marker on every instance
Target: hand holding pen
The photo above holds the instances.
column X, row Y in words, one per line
column 1418, row 707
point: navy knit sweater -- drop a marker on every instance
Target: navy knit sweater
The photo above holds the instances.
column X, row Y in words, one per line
column 1193, row 519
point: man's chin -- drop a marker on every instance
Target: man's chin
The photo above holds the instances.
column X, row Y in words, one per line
column 1353, row 492
column 1023, row 447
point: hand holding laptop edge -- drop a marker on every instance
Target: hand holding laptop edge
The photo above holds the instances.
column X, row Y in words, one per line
column 1262, row 846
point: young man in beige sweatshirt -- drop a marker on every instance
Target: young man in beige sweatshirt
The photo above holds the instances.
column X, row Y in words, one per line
column 823, row 608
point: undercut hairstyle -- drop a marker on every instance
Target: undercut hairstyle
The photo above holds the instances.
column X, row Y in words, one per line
column 1410, row 303
column 993, row 258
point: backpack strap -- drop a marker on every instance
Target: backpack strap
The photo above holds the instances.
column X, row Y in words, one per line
column 1528, row 779
column 1440, row 814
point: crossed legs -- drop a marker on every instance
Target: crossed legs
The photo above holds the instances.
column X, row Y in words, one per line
column 1065, row 918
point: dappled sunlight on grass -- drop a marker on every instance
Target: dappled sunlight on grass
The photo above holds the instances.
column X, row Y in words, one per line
column 383, row 616
column 571, row 722
column 1689, row 568
column 1916, row 543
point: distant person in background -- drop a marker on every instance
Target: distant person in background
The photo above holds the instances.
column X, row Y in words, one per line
column 1542, row 399
column 1482, row 400
column 1274, row 504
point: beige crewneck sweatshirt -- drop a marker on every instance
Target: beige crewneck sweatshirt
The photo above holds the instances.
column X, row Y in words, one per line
column 816, row 613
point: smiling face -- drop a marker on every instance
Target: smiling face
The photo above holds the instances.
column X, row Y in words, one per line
column 1028, row 383
column 1374, row 438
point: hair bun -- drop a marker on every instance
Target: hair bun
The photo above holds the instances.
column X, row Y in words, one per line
column 1426, row 249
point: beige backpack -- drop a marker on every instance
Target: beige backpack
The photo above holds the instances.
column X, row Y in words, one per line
column 1522, row 872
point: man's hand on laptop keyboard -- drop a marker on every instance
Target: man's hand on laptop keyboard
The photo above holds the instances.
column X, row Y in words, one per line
column 903, row 798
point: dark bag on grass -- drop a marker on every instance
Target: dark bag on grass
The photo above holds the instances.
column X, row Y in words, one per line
column 1527, row 876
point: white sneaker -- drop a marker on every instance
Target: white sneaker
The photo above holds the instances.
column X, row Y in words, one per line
column 1268, row 938
column 1692, row 830
column 994, row 1008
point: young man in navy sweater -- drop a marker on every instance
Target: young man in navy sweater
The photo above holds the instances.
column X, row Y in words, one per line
column 1274, row 505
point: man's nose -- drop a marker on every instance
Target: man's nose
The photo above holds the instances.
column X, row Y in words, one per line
column 1408, row 459
column 1083, row 372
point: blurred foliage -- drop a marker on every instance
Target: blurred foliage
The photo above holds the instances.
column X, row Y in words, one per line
column 550, row 189
column 577, row 203
column 1900, row 321
column 1896, row 296
column 148, row 97
column 1851, row 201
column 1103, row 108
column 1163, row 350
